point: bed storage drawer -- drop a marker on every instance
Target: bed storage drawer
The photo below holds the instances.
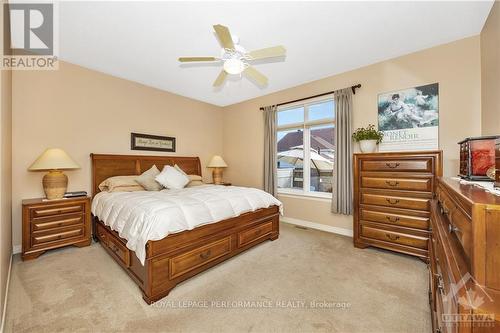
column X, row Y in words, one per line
column 119, row 250
column 247, row 236
column 200, row 256
column 113, row 245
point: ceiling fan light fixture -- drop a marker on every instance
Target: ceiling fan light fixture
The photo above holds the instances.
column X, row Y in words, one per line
column 234, row 66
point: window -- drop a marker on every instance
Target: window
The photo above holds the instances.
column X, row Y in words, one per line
column 306, row 150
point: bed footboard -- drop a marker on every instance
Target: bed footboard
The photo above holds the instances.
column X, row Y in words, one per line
column 180, row 256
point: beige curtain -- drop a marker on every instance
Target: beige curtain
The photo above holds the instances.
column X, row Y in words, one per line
column 342, row 170
column 270, row 149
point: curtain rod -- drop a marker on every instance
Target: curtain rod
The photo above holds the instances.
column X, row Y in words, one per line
column 319, row 95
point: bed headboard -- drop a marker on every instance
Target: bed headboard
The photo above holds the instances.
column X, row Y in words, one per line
column 106, row 165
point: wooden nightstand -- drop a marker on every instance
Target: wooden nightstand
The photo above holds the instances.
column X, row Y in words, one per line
column 53, row 224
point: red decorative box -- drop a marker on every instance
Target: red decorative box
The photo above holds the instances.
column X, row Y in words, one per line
column 497, row 164
column 477, row 155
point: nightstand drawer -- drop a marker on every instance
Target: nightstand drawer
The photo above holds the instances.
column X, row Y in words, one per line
column 57, row 210
column 55, row 236
column 57, row 221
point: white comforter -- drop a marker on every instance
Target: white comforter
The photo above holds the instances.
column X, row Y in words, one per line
column 142, row 216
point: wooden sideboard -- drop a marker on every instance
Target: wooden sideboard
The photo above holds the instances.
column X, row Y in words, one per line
column 464, row 259
column 392, row 200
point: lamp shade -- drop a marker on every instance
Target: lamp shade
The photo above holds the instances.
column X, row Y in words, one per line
column 53, row 159
column 217, row 162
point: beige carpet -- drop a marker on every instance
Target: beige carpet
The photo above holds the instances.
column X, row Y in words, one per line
column 83, row 289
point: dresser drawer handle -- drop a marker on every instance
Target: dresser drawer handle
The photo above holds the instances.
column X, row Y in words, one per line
column 206, row 254
column 392, row 183
column 395, row 220
column 392, row 237
column 392, row 165
column 392, row 202
column 440, row 284
column 452, row 228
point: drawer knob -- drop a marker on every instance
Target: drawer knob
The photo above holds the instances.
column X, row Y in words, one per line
column 392, row 201
column 452, row 228
column 392, row 183
column 392, row 237
column 392, row 165
column 206, row 254
column 393, row 220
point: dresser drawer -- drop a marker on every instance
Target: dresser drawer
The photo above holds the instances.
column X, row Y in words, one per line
column 57, row 210
column 409, row 221
column 46, row 237
column 247, row 236
column 408, row 184
column 193, row 259
column 58, row 221
column 395, row 201
column 457, row 222
column 398, row 165
column 394, row 237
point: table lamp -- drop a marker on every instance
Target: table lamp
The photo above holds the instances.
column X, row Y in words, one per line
column 217, row 163
column 55, row 182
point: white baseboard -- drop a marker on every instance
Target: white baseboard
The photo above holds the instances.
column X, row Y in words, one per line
column 4, row 309
column 317, row 226
column 16, row 249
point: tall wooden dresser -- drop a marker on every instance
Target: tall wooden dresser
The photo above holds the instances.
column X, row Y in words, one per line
column 392, row 200
column 465, row 259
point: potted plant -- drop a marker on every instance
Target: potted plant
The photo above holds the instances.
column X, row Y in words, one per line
column 368, row 138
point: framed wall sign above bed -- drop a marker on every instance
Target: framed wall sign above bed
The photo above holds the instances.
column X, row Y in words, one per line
column 149, row 142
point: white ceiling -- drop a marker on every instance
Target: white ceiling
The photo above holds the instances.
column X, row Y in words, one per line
column 141, row 41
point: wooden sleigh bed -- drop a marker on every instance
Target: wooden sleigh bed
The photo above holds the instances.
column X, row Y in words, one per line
column 179, row 256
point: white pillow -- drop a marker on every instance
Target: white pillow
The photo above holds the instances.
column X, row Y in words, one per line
column 172, row 178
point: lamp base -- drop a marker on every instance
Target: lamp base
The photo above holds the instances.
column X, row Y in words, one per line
column 55, row 184
column 217, row 176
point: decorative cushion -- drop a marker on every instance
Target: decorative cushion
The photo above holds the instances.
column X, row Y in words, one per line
column 194, row 183
column 172, row 178
column 194, row 177
column 120, row 184
column 147, row 179
column 180, row 170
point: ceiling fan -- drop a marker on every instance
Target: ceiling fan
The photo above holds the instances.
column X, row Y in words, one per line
column 236, row 59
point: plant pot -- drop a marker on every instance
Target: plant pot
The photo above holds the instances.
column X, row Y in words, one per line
column 368, row 146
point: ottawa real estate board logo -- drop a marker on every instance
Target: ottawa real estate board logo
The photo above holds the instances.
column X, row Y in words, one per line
column 29, row 36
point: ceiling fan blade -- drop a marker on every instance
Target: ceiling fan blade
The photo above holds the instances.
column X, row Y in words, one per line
column 270, row 52
column 256, row 75
column 224, row 36
column 220, row 79
column 191, row 59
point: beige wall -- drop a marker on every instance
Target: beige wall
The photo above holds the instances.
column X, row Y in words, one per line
column 456, row 66
column 490, row 73
column 83, row 111
column 5, row 173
